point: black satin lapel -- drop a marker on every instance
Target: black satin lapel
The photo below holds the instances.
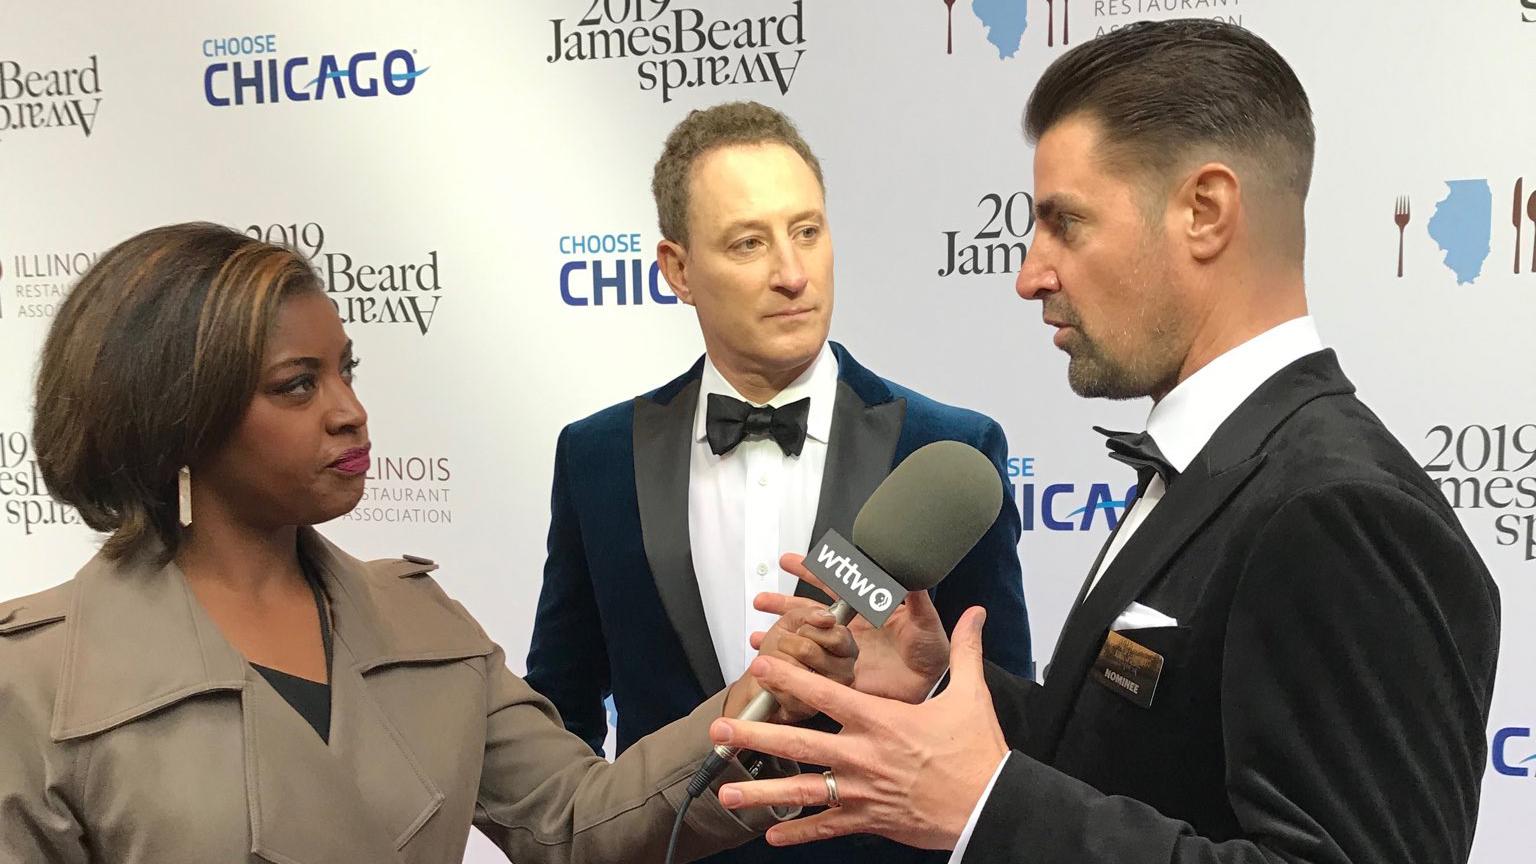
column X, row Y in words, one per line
column 1188, row 505
column 1082, row 591
column 860, row 451
column 663, row 436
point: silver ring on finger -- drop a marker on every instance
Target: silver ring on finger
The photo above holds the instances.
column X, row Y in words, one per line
column 832, row 798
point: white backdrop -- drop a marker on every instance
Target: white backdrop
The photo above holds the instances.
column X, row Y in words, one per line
column 493, row 153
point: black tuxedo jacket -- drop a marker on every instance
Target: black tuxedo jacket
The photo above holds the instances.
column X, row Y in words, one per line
column 1324, row 695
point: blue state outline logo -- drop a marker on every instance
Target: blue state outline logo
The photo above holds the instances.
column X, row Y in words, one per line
column 1005, row 23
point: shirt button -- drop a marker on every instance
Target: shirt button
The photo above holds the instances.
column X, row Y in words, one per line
column 763, row 480
column 762, row 569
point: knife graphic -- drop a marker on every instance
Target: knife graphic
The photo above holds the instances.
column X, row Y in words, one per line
column 1519, row 217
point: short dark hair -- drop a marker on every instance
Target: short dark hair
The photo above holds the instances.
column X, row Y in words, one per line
column 703, row 130
column 150, row 365
column 1163, row 88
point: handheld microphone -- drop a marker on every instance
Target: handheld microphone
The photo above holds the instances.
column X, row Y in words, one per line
column 922, row 519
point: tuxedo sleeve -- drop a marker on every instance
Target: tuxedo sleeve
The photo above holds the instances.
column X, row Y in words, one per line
column 989, row 575
column 1357, row 672
column 567, row 657
column 1012, row 698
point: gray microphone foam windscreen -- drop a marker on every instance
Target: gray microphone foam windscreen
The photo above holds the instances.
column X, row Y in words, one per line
column 929, row 512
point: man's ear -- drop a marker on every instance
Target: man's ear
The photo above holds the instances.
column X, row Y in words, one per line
column 1209, row 205
column 673, row 260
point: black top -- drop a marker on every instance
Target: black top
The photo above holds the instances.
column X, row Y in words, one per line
column 312, row 699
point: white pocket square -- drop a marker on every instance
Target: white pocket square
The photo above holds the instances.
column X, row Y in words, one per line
column 1139, row 617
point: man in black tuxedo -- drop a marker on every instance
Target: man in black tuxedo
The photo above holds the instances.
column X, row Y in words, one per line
column 1287, row 650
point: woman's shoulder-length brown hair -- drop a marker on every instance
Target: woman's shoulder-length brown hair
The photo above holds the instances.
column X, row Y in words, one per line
column 150, row 365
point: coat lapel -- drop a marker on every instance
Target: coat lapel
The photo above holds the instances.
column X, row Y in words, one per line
column 179, row 652
column 861, row 449
column 368, row 771
column 368, row 781
column 866, row 428
column 372, row 792
column 663, row 438
column 369, row 801
column 1082, row 590
column 1190, row 502
column 1218, row 472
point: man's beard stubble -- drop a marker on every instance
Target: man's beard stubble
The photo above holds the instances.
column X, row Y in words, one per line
column 1153, row 364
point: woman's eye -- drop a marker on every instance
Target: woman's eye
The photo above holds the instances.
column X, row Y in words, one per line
column 301, row 384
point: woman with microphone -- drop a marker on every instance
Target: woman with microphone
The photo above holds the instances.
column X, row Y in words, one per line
column 221, row 683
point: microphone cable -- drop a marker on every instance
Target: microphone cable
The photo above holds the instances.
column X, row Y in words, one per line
column 713, row 764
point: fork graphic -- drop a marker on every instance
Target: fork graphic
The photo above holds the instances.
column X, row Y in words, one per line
column 950, row 39
column 1400, row 216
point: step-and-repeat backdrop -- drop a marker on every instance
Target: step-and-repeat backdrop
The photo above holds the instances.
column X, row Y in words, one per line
column 472, row 180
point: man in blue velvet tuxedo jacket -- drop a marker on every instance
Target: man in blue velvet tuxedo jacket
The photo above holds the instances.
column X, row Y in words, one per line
column 670, row 510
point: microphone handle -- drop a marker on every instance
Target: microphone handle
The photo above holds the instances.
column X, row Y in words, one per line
column 759, row 709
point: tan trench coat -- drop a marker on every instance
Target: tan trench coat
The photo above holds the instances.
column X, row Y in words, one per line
column 131, row 732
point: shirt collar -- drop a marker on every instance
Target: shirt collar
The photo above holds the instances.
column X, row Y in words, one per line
column 1184, row 420
column 818, row 381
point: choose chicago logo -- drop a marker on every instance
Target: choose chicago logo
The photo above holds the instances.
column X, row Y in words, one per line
column 1066, row 506
column 252, row 70
column 58, row 97
column 1512, row 752
column 678, row 46
column 401, row 292
column 610, row 269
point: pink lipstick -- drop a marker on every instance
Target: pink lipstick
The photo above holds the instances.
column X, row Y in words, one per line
column 353, row 462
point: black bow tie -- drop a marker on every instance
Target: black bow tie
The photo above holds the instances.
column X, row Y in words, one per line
column 1138, row 450
column 727, row 421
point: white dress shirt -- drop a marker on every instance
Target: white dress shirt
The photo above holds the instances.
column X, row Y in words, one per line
column 1181, row 424
column 749, row 506
column 1189, row 415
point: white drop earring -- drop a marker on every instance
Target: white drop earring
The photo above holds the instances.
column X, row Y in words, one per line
column 184, row 495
